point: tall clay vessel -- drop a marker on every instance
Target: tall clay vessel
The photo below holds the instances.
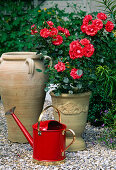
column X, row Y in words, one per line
column 22, row 86
column 74, row 111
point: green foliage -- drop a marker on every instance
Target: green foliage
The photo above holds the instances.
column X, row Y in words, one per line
column 99, row 102
column 38, row 70
column 103, row 97
column 110, row 8
column 16, row 19
column 108, row 138
column 13, row 27
column 109, row 117
column 107, row 79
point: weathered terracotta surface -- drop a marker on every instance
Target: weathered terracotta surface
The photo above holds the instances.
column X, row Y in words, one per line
column 74, row 111
column 22, row 86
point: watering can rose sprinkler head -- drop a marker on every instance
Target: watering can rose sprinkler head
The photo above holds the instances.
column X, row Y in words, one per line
column 9, row 112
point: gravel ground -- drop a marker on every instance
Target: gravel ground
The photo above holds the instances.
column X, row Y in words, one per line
column 14, row 156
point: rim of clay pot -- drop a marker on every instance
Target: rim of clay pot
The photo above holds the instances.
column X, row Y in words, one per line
column 20, row 55
column 72, row 95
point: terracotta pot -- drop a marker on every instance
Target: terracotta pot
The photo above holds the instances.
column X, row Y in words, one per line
column 74, row 111
column 22, row 86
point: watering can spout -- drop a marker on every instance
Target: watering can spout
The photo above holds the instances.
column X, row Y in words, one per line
column 23, row 129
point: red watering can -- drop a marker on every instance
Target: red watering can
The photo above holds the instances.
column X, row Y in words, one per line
column 49, row 139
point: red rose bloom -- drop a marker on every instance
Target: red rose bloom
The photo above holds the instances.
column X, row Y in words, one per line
column 102, row 16
column 60, row 29
column 44, row 33
column 53, row 31
column 98, row 23
column 60, row 67
column 91, row 30
column 109, row 26
column 33, row 29
column 83, row 28
column 74, row 44
column 74, row 74
column 76, row 51
column 87, row 19
column 88, row 50
column 66, row 32
column 57, row 40
column 50, row 23
column 85, row 41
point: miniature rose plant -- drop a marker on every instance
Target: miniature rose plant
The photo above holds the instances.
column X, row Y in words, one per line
column 73, row 58
column 71, row 70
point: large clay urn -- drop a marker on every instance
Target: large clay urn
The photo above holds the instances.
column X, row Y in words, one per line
column 74, row 111
column 22, row 86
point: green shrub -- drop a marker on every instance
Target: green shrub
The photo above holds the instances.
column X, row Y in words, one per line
column 16, row 19
column 103, row 97
column 14, row 24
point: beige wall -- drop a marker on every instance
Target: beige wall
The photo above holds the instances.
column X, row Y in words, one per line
column 86, row 5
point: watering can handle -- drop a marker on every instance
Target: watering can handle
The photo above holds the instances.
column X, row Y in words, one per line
column 40, row 117
column 73, row 133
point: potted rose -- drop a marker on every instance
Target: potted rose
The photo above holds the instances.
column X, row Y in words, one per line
column 71, row 58
column 72, row 71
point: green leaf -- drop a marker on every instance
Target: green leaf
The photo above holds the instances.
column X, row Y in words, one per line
column 13, row 35
column 16, row 22
column 60, row 52
column 57, row 94
column 115, row 12
column 70, row 92
column 65, row 80
column 38, row 70
column 79, row 85
column 3, row 37
column 115, row 116
column 46, row 89
column 44, row 52
column 79, row 72
column 110, row 3
column 113, row 7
